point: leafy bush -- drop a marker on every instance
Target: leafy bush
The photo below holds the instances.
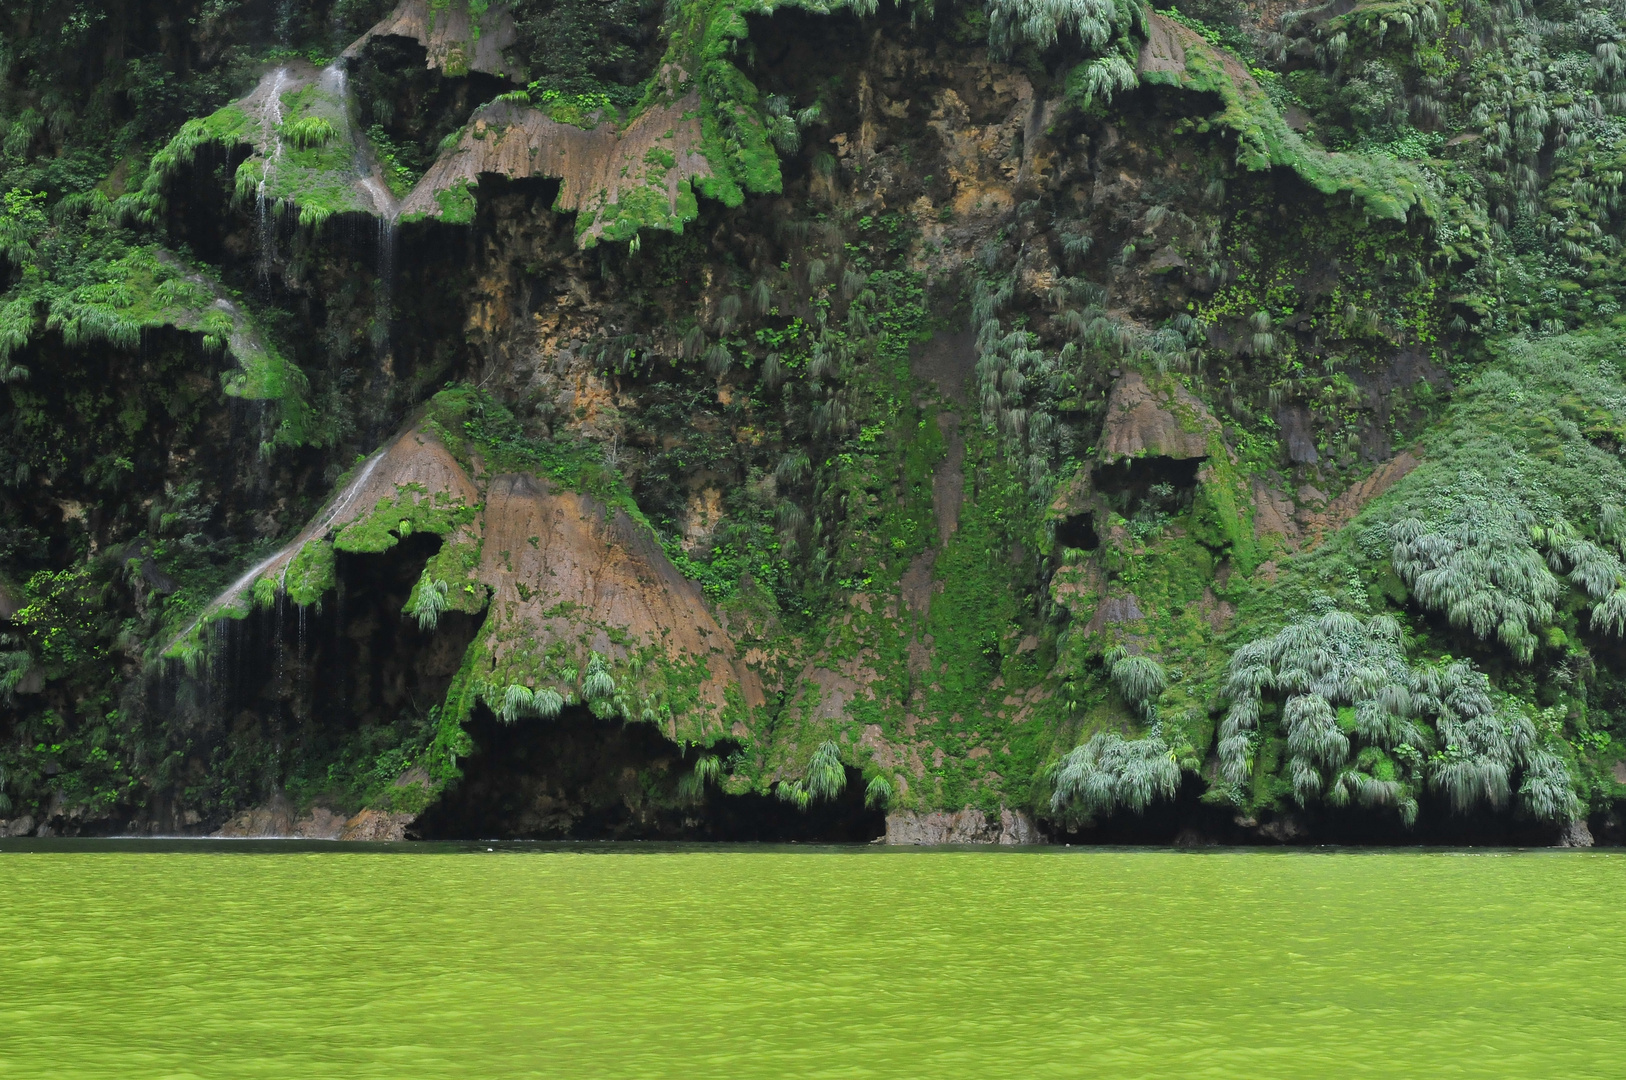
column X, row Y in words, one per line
column 1343, row 679
column 1109, row 772
column 309, row 132
column 1480, row 568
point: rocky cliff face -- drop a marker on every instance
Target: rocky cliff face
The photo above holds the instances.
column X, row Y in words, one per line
column 966, row 425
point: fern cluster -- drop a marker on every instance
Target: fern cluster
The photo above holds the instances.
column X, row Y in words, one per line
column 1110, row 772
column 1355, row 711
column 824, row 780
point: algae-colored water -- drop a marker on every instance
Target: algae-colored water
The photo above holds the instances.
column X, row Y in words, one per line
column 776, row 963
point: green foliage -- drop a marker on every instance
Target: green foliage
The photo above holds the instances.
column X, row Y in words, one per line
column 1110, row 772
column 1099, row 24
column 878, row 792
column 1480, row 568
column 394, row 159
column 311, row 573
column 1343, row 680
column 517, row 701
column 412, row 509
column 587, row 51
column 309, row 132
column 63, row 620
column 1140, row 680
column 427, row 601
column 597, row 684
column 825, row 775
column 1384, row 187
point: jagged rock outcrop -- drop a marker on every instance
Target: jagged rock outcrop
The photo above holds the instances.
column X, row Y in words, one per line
column 614, row 178
column 570, row 577
column 456, row 40
column 415, row 465
column 1158, row 418
column 307, row 149
column 560, row 577
column 276, row 821
column 968, row 826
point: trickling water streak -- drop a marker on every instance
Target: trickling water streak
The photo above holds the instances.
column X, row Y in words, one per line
column 282, row 649
column 302, row 667
column 271, row 131
column 384, row 203
column 285, row 22
column 318, row 528
column 332, row 78
column 262, row 449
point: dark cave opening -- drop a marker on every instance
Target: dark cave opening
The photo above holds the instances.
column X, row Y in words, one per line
column 579, row 777
column 1149, row 489
column 1078, row 531
column 1188, row 821
column 307, row 699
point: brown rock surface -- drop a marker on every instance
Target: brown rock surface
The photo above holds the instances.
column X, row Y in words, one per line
column 376, row 825
column 448, row 33
column 564, row 571
column 595, row 166
column 1146, row 420
column 416, row 459
column 968, row 826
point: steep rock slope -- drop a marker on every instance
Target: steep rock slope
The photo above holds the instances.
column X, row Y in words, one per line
column 1149, row 424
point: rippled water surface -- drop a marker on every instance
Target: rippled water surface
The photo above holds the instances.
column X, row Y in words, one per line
column 639, row 962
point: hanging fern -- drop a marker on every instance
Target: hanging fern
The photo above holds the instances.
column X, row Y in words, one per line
column 1109, row 772
column 825, row 775
column 878, row 792
column 596, row 682
column 1343, row 680
column 1482, row 569
column 427, row 601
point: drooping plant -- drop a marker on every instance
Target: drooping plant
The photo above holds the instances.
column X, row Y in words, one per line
column 596, row 681
column 517, row 701
column 693, row 785
column 428, row 600
column 1040, row 23
column 1481, row 568
column 1109, row 772
column 825, row 778
column 825, row 774
column 878, row 792
column 1140, row 679
column 309, row 132
column 1343, row 680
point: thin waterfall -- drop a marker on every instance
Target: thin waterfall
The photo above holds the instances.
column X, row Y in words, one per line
column 319, row 528
column 335, row 81
column 271, row 131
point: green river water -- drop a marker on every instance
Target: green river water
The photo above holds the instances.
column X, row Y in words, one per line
column 640, row 961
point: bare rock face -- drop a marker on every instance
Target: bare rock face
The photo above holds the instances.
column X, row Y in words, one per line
column 457, row 41
column 376, row 826
column 274, row 819
column 1576, row 834
column 567, row 572
column 655, row 156
column 1155, row 419
column 968, row 826
column 19, row 826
